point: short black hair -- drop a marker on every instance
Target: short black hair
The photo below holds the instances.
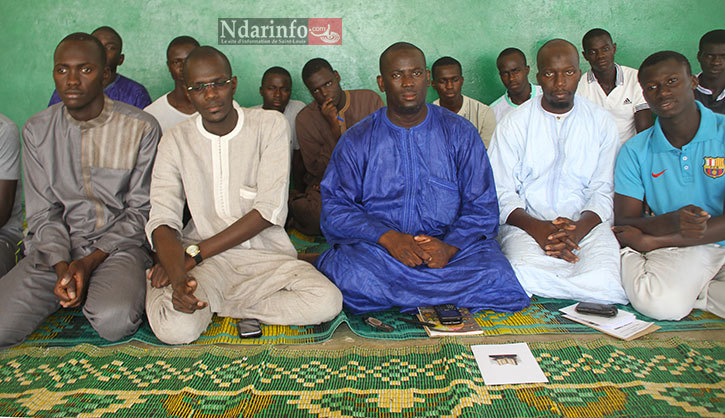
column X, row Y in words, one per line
column 276, row 70
column 716, row 36
column 661, row 56
column 442, row 62
column 86, row 37
column 511, row 51
column 398, row 46
column 206, row 52
column 595, row 33
column 113, row 31
column 314, row 65
column 181, row 40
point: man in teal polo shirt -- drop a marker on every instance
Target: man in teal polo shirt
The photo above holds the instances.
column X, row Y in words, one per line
column 673, row 261
column 514, row 73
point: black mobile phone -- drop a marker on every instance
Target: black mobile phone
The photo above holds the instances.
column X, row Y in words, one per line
column 249, row 328
column 378, row 324
column 599, row 309
column 448, row 314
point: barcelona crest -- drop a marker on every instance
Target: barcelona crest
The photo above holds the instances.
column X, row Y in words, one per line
column 714, row 166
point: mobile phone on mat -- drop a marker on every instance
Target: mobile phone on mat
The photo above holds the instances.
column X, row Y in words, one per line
column 249, row 328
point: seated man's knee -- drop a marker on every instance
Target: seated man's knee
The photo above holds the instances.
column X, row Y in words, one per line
column 333, row 303
column 176, row 333
column 114, row 323
column 12, row 336
column 174, row 327
column 667, row 307
column 322, row 301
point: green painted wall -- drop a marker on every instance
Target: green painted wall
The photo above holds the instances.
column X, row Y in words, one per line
column 472, row 31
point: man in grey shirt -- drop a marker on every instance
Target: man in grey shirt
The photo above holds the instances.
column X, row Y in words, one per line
column 87, row 165
column 11, row 195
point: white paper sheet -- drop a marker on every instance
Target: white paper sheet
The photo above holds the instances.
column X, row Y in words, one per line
column 623, row 332
column 526, row 370
column 622, row 318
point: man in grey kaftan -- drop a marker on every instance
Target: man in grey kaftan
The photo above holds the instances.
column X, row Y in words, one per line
column 87, row 165
column 86, row 188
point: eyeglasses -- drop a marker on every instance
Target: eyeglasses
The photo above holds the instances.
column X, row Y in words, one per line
column 202, row 86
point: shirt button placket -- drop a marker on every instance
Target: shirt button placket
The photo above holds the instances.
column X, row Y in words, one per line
column 685, row 167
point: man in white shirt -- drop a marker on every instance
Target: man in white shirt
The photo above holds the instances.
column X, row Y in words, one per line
column 613, row 86
column 710, row 89
column 514, row 73
column 553, row 162
column 174, row 106
column 448, row 81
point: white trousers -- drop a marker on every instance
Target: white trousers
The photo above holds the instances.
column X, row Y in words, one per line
column 594, row 278
column 667, row 283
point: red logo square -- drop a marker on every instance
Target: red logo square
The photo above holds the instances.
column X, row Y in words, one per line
column 324, row 31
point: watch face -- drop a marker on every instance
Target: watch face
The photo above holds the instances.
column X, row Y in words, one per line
column 192, row 250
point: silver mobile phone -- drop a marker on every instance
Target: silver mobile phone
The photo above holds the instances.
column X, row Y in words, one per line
column 249, row 328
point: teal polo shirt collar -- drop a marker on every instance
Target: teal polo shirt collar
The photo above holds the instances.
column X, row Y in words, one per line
column 512, row 104
column 707, row 125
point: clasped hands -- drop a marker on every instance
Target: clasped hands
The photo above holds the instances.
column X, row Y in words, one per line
column 184, row 287
column 689, row 222
column 559, row 238
column 416, row 250
column 72, row 283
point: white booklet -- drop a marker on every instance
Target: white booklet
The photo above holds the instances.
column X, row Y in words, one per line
column 507, row 364
column 622, row 318
column 624, row 325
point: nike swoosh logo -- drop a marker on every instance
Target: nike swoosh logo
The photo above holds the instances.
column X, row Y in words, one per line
column 658, row 174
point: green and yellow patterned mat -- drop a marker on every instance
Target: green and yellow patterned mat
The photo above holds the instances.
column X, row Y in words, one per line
column 307, row 244
column 596, row 378
column 68, row 327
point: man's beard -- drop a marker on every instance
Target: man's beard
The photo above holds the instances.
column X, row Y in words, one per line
column 561, row 105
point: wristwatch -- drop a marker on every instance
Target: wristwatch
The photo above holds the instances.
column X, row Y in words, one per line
column 194, row 252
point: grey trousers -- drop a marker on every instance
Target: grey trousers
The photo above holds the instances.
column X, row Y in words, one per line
column 9, row 249
column 114, row 304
